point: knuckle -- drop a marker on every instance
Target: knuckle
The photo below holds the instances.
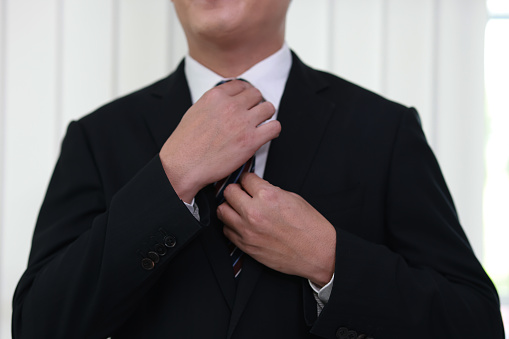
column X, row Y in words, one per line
column 250, row 248
column 295, row 195
column 255, row 91
column 258, row 95
column 250, row 239
column 254, row 217
column 241, row 83
column 214, row 94
column 245, row 140
column 268, row 194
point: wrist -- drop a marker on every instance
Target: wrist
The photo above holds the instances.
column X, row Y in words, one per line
column 181, row 182
column 325, row 267
column 322, row 279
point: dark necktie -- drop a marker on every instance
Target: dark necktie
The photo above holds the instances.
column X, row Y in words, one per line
column 236, row 255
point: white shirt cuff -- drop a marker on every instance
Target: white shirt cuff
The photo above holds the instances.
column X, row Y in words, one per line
column 324, row 292
column 193, row 208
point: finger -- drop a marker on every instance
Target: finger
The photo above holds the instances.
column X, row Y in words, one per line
column 237, row 198
column 233, row 235
column 233, row 87
column 267, row 131
column 230, row 218
column 252, row 183
column 262, row 112
column 250, row 97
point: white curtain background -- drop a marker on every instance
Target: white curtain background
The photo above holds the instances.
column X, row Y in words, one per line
column 60, row 59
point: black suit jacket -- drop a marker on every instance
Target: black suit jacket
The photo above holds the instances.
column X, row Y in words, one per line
column 404, row 268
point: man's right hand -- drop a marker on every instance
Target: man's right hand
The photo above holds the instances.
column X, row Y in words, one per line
column 219, row 133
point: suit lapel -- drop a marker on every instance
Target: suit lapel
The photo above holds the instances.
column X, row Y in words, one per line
column 304, row 116
column 173, row 100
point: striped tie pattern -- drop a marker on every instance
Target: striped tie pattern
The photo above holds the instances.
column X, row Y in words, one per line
column 236, row 255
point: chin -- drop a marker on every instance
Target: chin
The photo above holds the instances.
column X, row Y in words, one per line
column 213, row 29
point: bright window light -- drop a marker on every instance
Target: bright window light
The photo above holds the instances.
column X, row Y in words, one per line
column 496, row 188
column 498, row 7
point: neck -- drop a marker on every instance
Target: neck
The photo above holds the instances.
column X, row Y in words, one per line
column 231, row 60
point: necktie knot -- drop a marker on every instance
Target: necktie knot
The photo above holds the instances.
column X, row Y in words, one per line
column 230, row 79
column 233, row 178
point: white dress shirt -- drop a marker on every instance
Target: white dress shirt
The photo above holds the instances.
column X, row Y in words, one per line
column 269, row 76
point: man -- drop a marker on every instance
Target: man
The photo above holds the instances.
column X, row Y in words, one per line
column 351, row 234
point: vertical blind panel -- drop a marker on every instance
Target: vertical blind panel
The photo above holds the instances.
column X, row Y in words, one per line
column 5, row 309
column 143, row 36
column 356, row 43
column 307, row 31
column 409, row 56
column 460, row 129
column 30, row 102
column 87, row 48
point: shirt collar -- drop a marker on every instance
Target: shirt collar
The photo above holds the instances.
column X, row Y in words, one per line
column 269, row 76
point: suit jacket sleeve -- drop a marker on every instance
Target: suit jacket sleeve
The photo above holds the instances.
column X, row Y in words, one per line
column 85, row 263
column 424, row 280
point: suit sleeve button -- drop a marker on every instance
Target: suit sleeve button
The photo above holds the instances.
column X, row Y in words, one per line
column 147, row 264
column 342, row 333
column 352, row 335
column 153, row 256
column 170, row 241
column 160, row 249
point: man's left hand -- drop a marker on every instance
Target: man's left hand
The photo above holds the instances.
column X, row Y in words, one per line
column 279, row 229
